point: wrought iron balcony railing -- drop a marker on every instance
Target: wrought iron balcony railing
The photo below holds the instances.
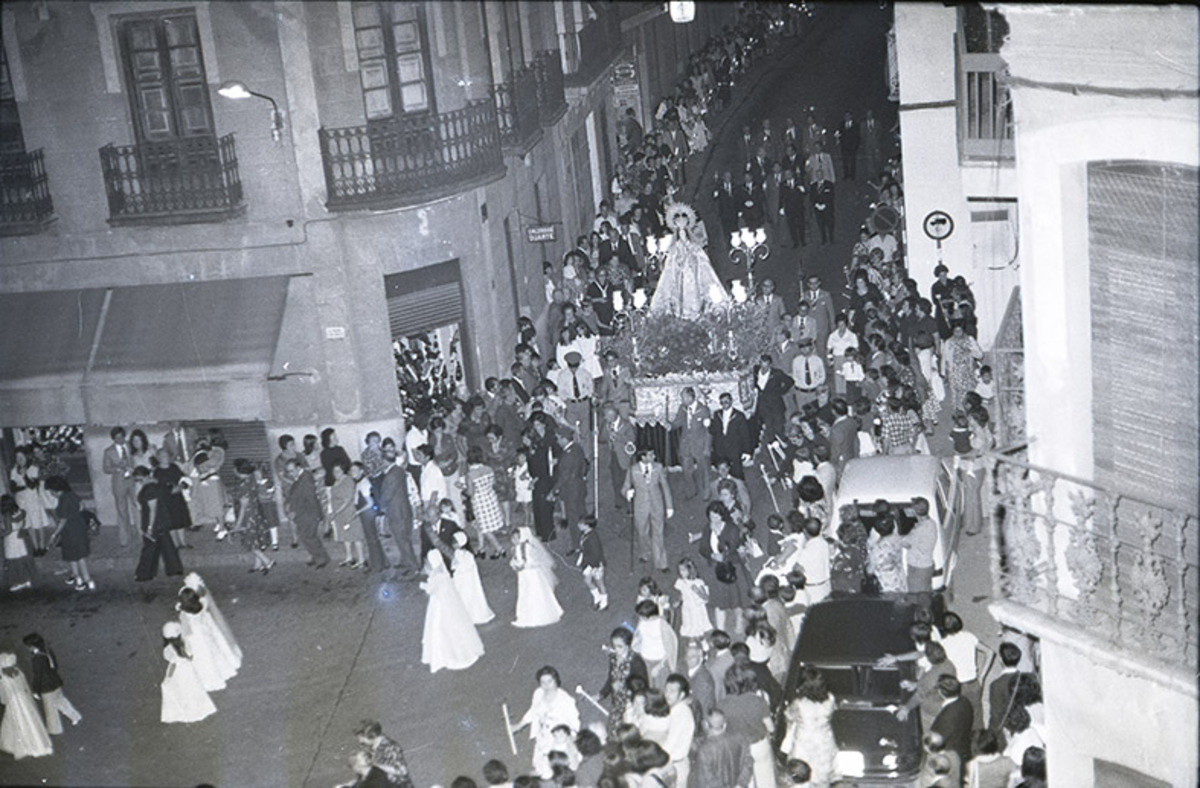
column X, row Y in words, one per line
column 592, row 48
column 517, row 109
column 1090, row 557
column 412, row 158
column 174, row 182
column 25, row 204
column 551, row 100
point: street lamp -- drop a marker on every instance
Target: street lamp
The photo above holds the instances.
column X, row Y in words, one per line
column 238, row 90
column 749, row 247
column 682, row 11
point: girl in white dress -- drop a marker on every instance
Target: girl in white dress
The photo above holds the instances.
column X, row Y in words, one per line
column 184, row 698
column 214, row 660
column 22, row 733
column 693, row 602
column 189, row 600
column 536, row 604
column 450, row 640
column 466, row 581
column 196, row 583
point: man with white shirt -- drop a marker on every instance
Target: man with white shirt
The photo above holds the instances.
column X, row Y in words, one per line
column 808, row 373
column 432, row 481
column 692, row 420
column 622, row 444
column 119, row 467
column 681, row 726
column 576, row 387
column 772, row 302
column 814, row 560
column 964, row 650
column 417, row 436
column 806, row 324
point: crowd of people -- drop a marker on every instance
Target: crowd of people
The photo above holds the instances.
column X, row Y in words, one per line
column 694, row 694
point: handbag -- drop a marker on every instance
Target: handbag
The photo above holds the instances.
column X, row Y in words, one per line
column 726, row 572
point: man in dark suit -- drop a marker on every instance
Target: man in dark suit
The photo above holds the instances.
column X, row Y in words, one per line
column 750, row 201
column 759, row 166
column 571, row 482
column 305, row 510
column 791, row 200
column 725, row 197
column 154, row 501
column 843, row 435
column 396, row 510
column 773, row 201
column 542, row 459
column 732, row 440
column 622, row 444
column 1002, row 690
column 849, row 138
column 692, row 420
column 770, row 408
column 772, row 301
column 955, row 719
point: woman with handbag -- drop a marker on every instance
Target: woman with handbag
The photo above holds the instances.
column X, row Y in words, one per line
column 719, row 546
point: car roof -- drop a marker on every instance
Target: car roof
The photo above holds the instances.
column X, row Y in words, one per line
column 896, row 478
column 854, row 630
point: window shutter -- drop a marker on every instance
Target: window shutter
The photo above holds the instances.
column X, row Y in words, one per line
column 1143, row 251
column 424, row 299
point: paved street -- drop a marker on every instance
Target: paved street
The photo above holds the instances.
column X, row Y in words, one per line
column 324, row 649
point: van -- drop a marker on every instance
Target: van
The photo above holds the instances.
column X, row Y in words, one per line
column 843, row 638
column 898, row 480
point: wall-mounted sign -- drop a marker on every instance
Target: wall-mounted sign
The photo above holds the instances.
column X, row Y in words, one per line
column 938, row 225
column 335, row 332
column 540, row 233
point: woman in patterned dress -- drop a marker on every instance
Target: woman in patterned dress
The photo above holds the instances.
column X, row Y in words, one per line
column 251, row 526
column 885, row 557
column 480, row 484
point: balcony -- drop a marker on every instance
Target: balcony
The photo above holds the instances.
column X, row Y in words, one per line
column 591, row 49
column 551, row 101
column 517, row 110
column 985, row 120
column 1091, row 558
column 181, row 181
column 411, row 159
column 25, row 204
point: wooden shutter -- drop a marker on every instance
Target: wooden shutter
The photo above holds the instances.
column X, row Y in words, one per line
column 168, row 89
column 424, row 299
column 1142, row 230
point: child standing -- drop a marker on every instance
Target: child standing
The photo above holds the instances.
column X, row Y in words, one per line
column 466, row 580
column 693, row 601
column 184, row 698
column 591, row 561
column 47, row 684
column 522, row 490
column 648, row 590
column 655, row 642
column 536, row 604
column 17, row 550
column 449, row 640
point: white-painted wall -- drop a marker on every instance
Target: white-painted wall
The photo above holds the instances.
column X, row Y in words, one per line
column 934, row 178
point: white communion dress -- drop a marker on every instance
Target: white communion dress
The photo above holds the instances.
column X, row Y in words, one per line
column 536, row 604
column 184, row 698
column 470, row 589
column 22, row 732
column 450, row 640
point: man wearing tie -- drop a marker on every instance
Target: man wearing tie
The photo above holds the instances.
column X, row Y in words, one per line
column 616, row 387
column 870, row 144
column 806, row 324
column 570, row 482
column 769, row 408
column 119, row 469
column 731, row 438
column 772, row 302
column 808, row 373
column 773, row 196
column 575, row 386
column 725, row 196
column 821, row 307
column 647, row 488
column 692, row 420
column 622, row 443
column 849, row 138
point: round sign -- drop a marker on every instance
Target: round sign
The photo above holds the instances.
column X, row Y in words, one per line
column 938, row 225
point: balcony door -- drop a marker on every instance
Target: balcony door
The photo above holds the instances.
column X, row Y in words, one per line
column 393, row 56
column 168, row 91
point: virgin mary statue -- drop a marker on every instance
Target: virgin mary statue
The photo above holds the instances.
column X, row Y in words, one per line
column 688, row 282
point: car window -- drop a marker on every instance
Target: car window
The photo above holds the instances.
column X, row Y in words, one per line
column 841, row 681
column 883, row 685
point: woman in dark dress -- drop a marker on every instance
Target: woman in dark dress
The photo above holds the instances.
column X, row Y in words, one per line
column 623, row 664
column 71, row 533
column 331, row 454
column 719, row 545
column 170, row 476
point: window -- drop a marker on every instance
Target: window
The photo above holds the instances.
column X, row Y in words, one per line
column 393, row 56
column 985, row 119
column 12, row 140
column 165, row 71
column 983, row 31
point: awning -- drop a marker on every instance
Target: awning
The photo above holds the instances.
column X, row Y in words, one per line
column 45, row 341
column 182, row 351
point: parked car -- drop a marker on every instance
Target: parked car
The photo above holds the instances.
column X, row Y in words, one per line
column 898, row 480
column 843, row 638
